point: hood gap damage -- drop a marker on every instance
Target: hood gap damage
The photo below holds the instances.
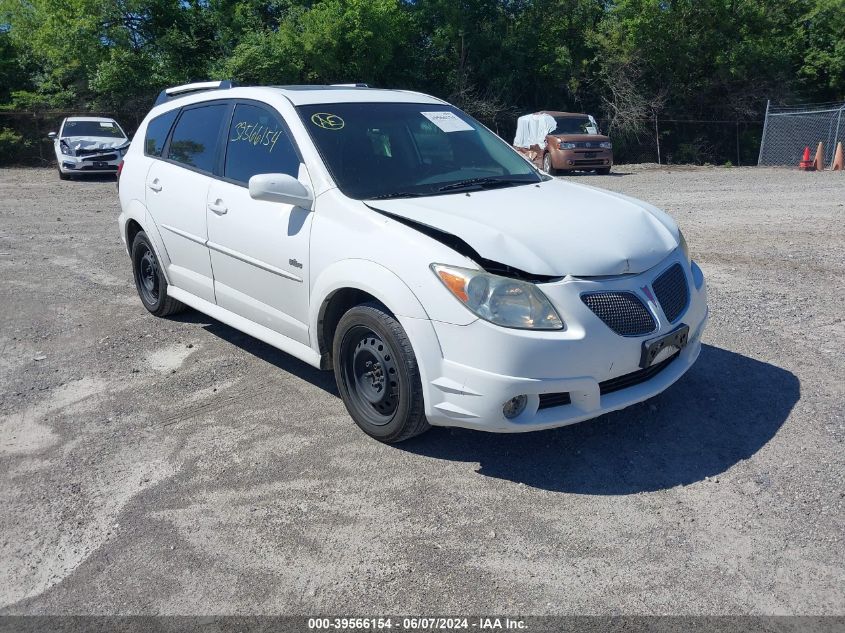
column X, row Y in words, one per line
column 460, row 246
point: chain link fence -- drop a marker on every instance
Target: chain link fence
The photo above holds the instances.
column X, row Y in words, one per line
column 690, row 142
column 789, row 129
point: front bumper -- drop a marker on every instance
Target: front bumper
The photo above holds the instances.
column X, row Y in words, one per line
column 470, row 371
column 581, row 159
column 105, row 163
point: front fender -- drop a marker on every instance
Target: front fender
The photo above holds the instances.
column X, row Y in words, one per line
column 369, row 277
column 389, row 289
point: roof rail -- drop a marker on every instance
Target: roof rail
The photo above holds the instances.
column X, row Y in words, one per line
column 351, row 85
column 180, row 91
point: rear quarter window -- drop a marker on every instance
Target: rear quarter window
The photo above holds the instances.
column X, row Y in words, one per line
column 157, row 131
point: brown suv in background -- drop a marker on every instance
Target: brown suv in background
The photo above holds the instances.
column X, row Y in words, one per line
column 572, row 145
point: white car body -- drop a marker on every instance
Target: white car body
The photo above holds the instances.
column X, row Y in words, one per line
column 89, row 145
column 272, row 270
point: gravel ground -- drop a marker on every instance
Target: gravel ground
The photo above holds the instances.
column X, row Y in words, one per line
column 178, row 467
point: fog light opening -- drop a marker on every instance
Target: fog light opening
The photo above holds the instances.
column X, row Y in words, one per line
column 515, row 406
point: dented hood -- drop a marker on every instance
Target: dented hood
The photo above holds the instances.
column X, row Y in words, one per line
column 555, row 228
column 94, row 142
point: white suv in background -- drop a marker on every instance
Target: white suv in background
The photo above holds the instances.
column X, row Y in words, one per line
column 390, row 237
column 88, row 145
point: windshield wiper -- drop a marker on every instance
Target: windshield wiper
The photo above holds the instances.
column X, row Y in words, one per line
column 396, row 194
column 484, row 183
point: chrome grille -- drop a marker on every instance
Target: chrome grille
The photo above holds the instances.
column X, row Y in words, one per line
column 622, row 312
column 671, row 291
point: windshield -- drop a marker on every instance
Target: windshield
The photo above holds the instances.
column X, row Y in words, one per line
column 384, row 150
column 108, row 129
column 574, row 125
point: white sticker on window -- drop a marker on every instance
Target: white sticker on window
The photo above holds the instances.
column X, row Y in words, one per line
column 447, row 121
column 106, row 124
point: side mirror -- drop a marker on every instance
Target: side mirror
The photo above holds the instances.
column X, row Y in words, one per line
column 280, row 188
column 52, row 136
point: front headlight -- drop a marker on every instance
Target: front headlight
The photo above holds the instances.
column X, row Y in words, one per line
column 606, row 145
column 66, row 150
column 684, row 246
column 500, row 300
column 567, row 146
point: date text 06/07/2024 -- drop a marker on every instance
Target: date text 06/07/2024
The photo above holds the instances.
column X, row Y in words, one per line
column 415, row 623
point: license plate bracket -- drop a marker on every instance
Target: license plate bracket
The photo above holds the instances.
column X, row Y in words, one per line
column 101, row 163
column 651, row 350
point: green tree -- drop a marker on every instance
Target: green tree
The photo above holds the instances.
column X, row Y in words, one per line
column 820, row 46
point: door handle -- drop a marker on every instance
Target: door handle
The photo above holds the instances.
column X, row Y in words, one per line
column 155, row 186
column 218, row 207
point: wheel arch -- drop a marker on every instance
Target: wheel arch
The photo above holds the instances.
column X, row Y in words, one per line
column 348, row 283
column 133, row 227
column 135, row 218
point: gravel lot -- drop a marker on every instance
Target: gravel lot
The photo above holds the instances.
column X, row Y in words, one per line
column 179, row 467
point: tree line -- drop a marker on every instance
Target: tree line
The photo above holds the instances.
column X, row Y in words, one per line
column 626, row 61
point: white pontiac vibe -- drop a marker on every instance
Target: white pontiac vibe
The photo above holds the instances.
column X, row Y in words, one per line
column 391, row 238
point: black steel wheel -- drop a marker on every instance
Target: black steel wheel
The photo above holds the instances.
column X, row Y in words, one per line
column 377, row 374
column 149, row 279
column 369, row 366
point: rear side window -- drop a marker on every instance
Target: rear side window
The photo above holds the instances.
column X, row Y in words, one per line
column 258, row 144
column 157, row 131
column 194, row 139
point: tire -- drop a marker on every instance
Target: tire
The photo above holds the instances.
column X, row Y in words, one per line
column 547, row 164
column 149, row 280
column 377, row 374
column 604, row 171
column 63, row 176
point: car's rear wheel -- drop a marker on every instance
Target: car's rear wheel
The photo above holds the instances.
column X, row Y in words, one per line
column 377, row 374
column 547, row 164
column 149, row 279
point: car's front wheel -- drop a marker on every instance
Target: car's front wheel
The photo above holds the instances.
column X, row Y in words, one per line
column 377, row 374
column 63, row 175
column 149, row 279
column 547, row 164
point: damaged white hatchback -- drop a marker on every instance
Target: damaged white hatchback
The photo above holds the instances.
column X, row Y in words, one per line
column 391, row 238
column 88, row 145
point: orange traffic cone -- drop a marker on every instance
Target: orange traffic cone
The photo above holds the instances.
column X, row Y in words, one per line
column 806, row 164
column 838, row 160
column 818, row 161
